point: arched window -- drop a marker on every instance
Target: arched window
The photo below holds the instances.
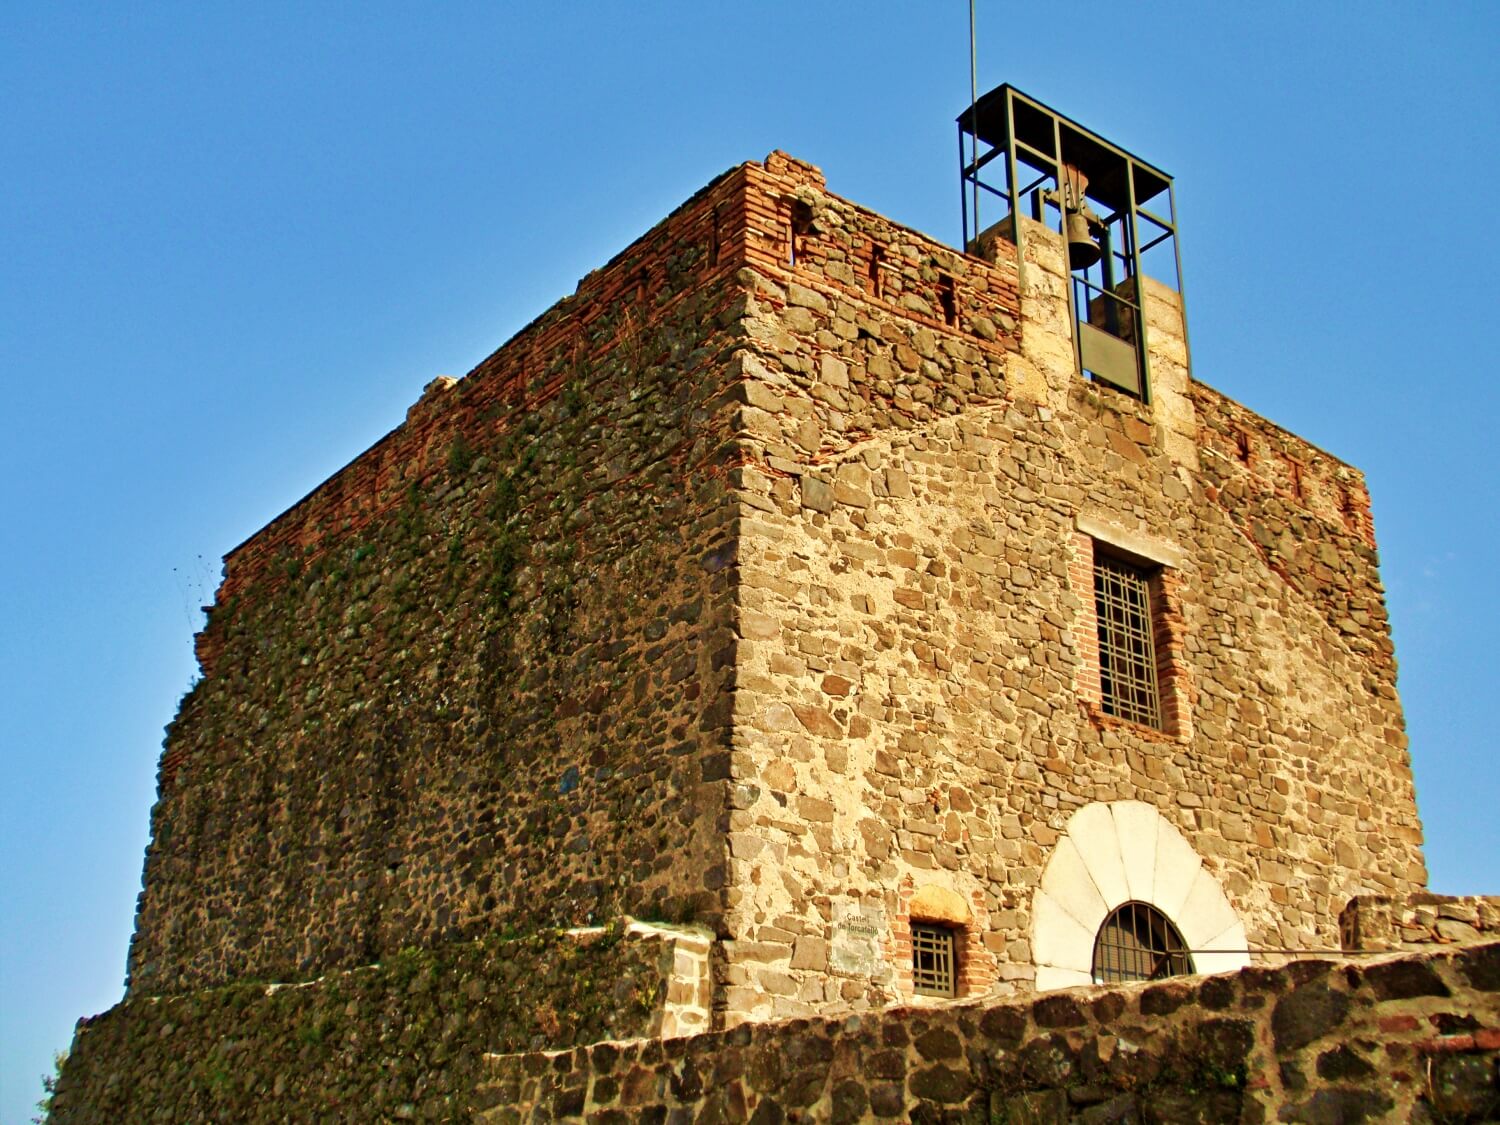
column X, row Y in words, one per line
column 1139, row 942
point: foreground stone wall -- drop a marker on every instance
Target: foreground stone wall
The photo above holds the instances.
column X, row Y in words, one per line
column 1413, row 1038
column 402, row 1040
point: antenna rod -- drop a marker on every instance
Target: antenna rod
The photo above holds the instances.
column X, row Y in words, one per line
column 974, row 116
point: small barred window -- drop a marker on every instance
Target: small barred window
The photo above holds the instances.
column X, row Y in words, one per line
column 934, row 960
column 1139, row 942
column 1127, row 649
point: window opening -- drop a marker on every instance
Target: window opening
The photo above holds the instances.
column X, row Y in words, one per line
column 877, row 263
column 1127, row 650
column 934, row 960
column 1294, row 470
column 1348, row 510
column 1242, row 446
column 948, row 299
column 1138, row 942
column 1349, row 935
column 798, row 226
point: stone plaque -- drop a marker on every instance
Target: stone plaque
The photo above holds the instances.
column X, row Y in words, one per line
column 858, row 934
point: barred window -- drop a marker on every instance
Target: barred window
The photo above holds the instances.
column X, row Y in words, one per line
column 1127, row 650
column 934, row 960
column 1139, row 942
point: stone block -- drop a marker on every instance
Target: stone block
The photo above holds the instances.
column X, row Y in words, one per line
column 1059, row 940
column 1068, row 882
column 817, row 495
column 1093, row 832
column 1405, row 980
column 1306, row 1014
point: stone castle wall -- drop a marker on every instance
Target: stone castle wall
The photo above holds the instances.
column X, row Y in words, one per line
column 918, row 695
column 482, row 676
column 477, row 680
column 752, row 584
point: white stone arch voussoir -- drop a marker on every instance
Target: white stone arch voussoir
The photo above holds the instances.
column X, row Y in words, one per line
column 1113, row 853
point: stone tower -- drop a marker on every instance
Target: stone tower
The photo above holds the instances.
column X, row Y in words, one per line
column 794, row 578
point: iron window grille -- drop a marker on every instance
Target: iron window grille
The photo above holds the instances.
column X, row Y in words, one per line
column 1138, row 942
column 1127, row 649
column 934, row 960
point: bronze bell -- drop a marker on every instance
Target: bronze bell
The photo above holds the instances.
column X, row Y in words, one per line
column 1083, row 249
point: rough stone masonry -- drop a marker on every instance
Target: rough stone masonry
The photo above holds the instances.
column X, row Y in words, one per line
column 751, row 588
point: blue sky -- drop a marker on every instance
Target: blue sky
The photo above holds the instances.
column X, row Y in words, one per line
column 235, row 241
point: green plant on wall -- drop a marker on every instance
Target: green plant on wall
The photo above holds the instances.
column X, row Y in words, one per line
column 460, row 456
column 314, row 1030
column 289, row 564
column 411, row 519
column 408, row 963
column 49, row 1089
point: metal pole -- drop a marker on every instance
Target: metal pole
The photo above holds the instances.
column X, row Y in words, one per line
column 963, row 203
column 1187, row 347
column 1060, row 178
column 1013, row 186
column 974, row 113
column 1143, row 360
